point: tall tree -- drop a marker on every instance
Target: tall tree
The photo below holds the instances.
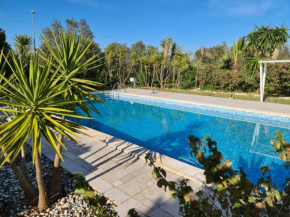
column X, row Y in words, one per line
column 85, row 30
column 3, row 43
column 168, row 51
column 55, row 27
column 238, row 48
column 119, row 62
column 5, row 47
column 80, row 28
column 180, row 64
column 109, row 57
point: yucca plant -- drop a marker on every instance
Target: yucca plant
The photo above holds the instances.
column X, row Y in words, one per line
column 266, row 41
column 23, row 44
column 67, row 56
column 37, row 105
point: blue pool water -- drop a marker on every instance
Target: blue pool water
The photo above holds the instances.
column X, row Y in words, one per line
column 165, row 130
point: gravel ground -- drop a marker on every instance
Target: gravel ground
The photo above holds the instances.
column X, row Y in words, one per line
column 13, row 202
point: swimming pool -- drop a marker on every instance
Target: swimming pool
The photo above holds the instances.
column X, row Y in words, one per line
column 163, row 126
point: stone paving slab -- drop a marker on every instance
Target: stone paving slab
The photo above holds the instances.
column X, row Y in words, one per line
column 124, row 176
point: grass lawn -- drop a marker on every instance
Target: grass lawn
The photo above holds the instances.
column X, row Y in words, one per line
column 241, row 96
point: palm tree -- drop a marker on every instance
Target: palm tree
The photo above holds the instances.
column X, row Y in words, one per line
column 198, row 65
column 122, row 54
column 155, row 59
column 168, row 50
column 180, row 64
column 67, row 56
column 109, row 51
column 23, row 45
column 238, row 48
column 265, row 41
column 35, row 98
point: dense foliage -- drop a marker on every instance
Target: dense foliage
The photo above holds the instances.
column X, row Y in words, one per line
column 36, row 97
column 81, row 29
column 277, row 80
column 5, row 47
column 220, row 67
column 231, row 193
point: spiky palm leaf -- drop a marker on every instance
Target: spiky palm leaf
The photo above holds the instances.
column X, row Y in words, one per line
column 238, row 48
column 265, row 39
column 68, row 55
column 32, row 101
column 23, row 44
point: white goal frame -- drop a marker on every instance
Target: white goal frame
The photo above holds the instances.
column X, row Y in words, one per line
column 263, row 70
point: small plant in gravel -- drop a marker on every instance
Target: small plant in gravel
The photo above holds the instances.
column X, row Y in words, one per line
column 99, row 205
column 133, row 213
column 232, row 194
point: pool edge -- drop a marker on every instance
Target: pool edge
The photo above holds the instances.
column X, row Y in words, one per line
column 208, row 104
column 172, row 165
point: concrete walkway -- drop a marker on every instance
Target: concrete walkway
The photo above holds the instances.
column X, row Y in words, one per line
column 118, row 169
column 244, row 105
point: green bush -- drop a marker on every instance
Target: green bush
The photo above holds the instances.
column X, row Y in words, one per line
column 188, row 79
column 231, row 192
column 222, row 80
column 277, row 80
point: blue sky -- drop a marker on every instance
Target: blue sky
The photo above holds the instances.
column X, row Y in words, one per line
column 191, row 23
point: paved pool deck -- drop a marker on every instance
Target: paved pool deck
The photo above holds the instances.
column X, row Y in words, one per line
column 235, row 104
column 118, row 169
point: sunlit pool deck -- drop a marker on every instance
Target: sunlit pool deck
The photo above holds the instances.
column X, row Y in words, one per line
column 118, row 169
column 217, row 102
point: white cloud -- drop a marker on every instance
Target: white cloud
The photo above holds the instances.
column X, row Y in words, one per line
column 241, row 7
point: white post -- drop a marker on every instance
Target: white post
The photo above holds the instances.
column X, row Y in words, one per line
column 261, row 82
column 264, row 78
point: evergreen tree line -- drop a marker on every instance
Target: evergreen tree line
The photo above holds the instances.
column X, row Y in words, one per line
column 171, row 67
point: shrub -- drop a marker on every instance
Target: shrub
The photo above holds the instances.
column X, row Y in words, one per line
column 277, row 80
column 221, row 80
column 232, row 194
column 188, row 79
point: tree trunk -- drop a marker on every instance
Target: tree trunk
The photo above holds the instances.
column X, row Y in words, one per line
column 27, row 187
column 152, row 81
column 236, row 66
column 196, row 77
column 276, row 53
column 23, row 162
column 43, row 201
column 55, row 190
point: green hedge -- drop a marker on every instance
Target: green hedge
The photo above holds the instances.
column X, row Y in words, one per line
column 277, row 80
